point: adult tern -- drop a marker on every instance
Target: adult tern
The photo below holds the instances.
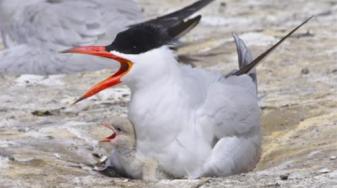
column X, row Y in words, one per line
column 193, row 121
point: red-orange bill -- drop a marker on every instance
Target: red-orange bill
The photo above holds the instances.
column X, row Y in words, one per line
column 125, row 66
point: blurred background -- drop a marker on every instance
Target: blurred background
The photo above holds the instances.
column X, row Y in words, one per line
column 47, row 142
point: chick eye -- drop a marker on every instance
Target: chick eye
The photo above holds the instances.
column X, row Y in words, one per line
column 118, row 129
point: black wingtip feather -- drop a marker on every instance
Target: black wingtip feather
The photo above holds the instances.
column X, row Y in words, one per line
column 184, row 27
column 178, row 15
column 245, row 69
column 187, row 11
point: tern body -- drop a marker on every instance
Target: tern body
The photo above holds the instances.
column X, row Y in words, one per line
column 194, row 122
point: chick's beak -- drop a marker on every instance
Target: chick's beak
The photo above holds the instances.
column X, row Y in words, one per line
column 112, row 136
column 125, row 66
column 109, row 138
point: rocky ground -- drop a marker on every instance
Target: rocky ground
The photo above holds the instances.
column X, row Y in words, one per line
column 47, row 142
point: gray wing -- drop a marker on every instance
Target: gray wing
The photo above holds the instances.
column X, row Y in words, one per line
column 35, row 31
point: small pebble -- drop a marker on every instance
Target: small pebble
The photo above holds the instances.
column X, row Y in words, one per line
column 125, row 180
column 11, row 158
column 334, row 71
column 305, row 71
column 50, row 137
column 284, row 176
column 96, row 155
column 23, row 130
column 324, row 171
column 333, row 157
column 41, row 113
column 57, row 155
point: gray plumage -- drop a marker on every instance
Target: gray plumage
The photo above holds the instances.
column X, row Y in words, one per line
column 34, row 31
column 124, row 158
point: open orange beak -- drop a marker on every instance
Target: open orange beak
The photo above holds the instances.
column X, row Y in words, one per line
column 125, row 66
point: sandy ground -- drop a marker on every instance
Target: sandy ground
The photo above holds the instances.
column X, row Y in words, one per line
column 47, row 142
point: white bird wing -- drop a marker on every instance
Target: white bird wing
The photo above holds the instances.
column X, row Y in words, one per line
column 231, row 155
column 231, row 103
column 230, row 121
column 231, row 108
column 232, row 114
column 49, row 26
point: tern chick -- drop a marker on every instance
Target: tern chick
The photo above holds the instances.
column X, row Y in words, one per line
column 124, row 157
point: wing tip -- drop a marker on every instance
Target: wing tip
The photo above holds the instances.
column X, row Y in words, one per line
column 258, row 59
column 180, row 14
column 184, row 27
column 247, row 68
